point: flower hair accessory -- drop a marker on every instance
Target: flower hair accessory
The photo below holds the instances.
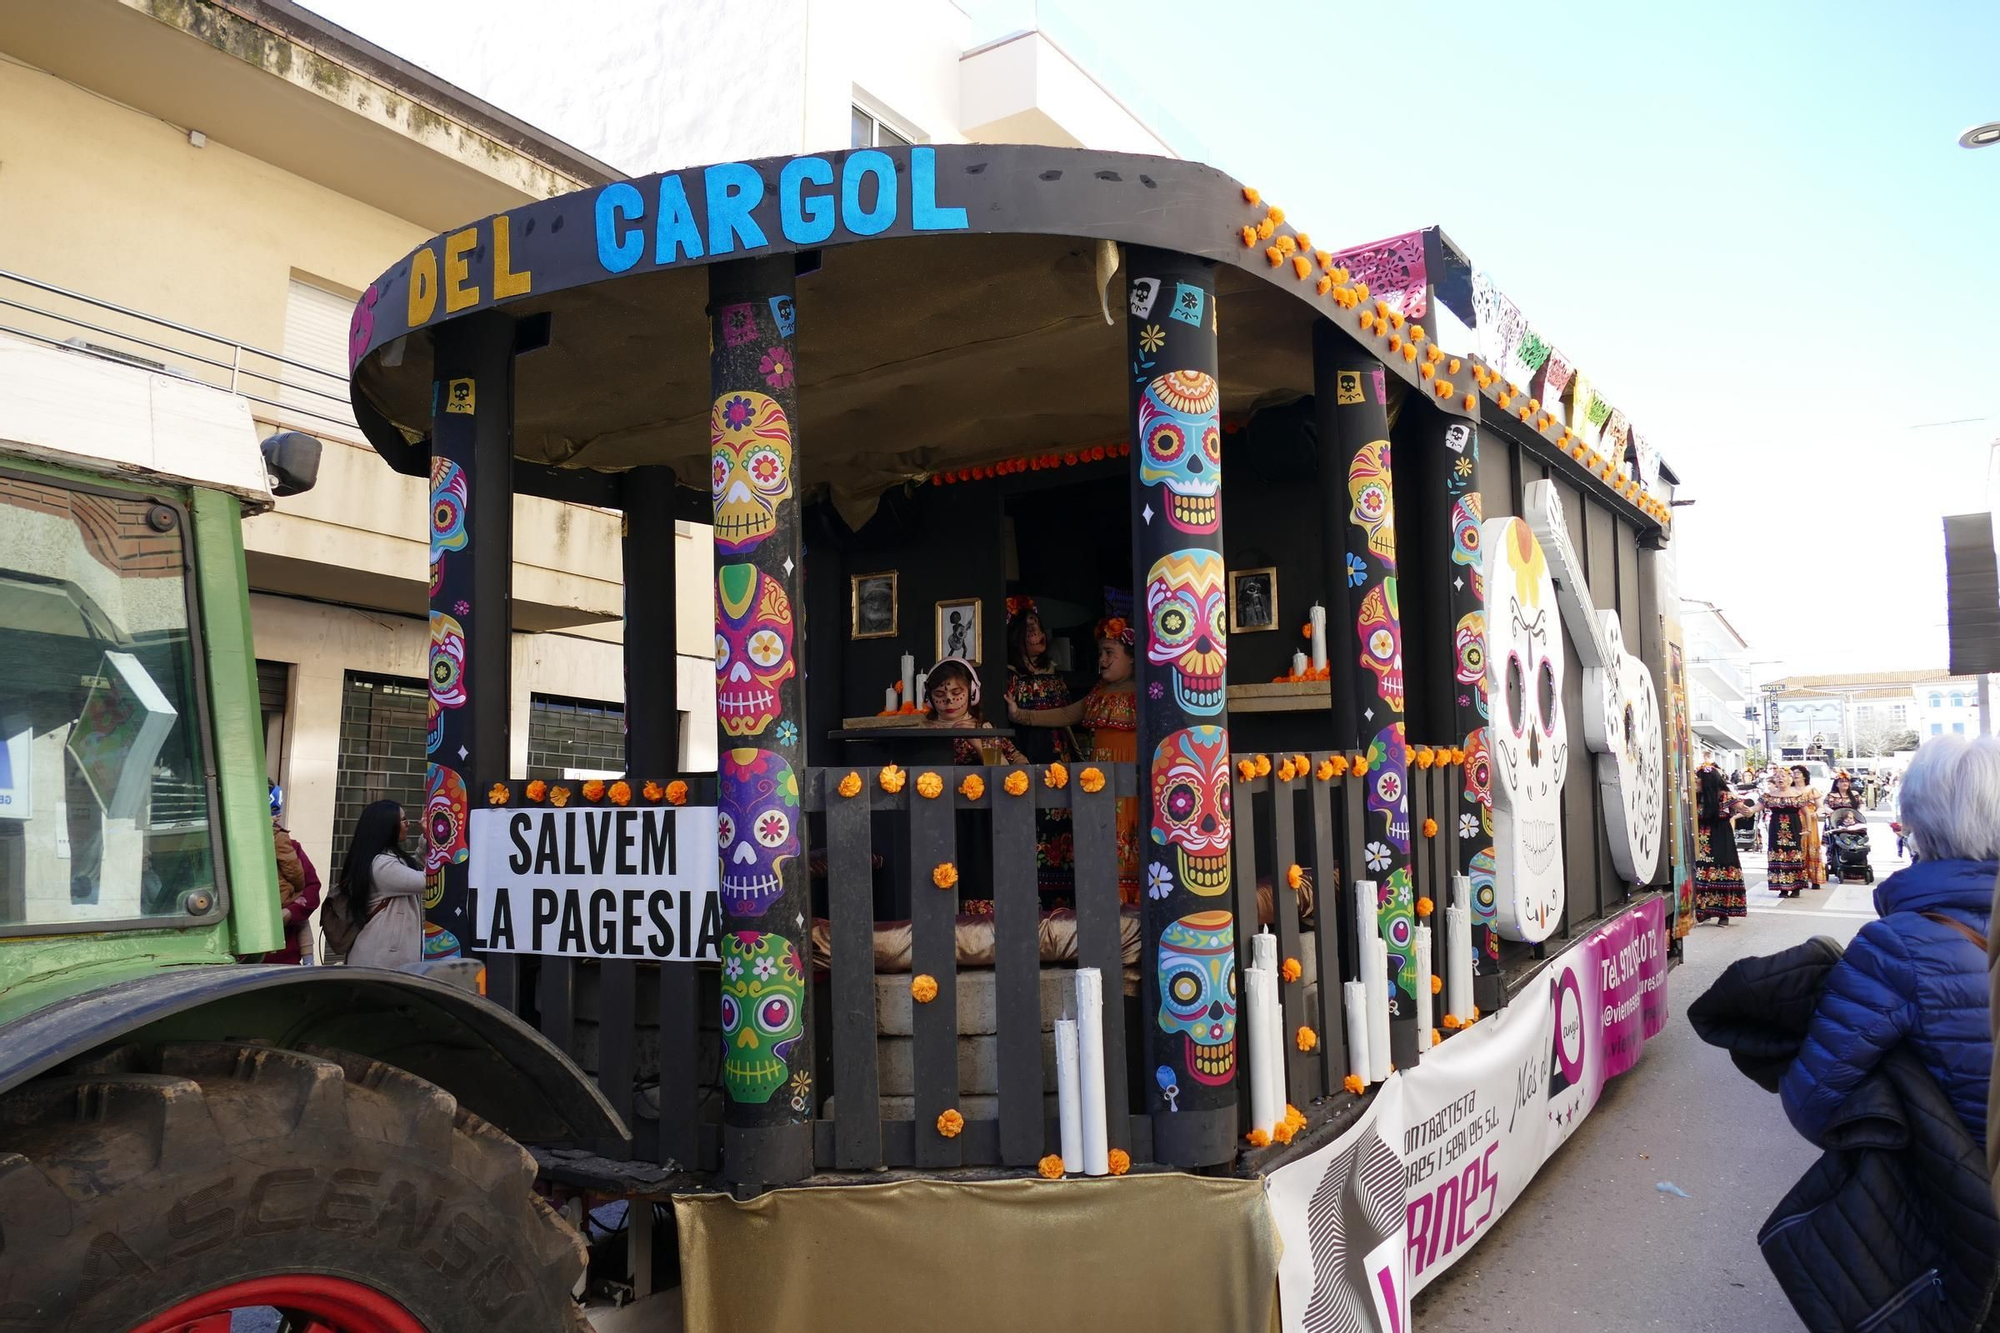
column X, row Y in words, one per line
column 1116, row 628
column 1019, row 605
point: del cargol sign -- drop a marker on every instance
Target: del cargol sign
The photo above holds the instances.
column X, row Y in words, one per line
column 596, row 883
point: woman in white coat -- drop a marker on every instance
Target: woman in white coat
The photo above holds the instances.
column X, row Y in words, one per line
column 384, row 888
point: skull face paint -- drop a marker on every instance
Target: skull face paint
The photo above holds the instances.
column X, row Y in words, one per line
column 750, row 456
column 763, row 1012
column 1528, row 736
column 1191, row 802
column 1373, row 506
column 753, row 648
column 1180, row 438
column 1188, row 611
column 757, row 828
column 1197, row 977
column 1380, row 625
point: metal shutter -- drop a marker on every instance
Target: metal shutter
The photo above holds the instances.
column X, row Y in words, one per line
column 316, row 334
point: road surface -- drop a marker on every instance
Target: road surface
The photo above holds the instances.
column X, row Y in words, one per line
column 1594, row 1244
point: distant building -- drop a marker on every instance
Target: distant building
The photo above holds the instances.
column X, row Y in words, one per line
column 1721, row 702
column 1874, row 713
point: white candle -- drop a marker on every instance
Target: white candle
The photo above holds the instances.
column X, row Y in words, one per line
column 1378, row 1008
column 1366, row 925
column 1423, row 989
column 1458, row 948
column 889, row 700
column 1260, row 990
column 909, row 678
column 1264, row 950
column 1069, row 1110
column 1317, row 618
column 923, row 695
column 1354, row 1002
column 1090, row 1066
column 1299, row 665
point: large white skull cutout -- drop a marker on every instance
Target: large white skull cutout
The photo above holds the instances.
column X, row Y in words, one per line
column 1529, row 737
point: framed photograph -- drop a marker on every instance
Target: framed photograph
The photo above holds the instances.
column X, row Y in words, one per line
column 1253, row 600
column 958, row 629
column 873, row 598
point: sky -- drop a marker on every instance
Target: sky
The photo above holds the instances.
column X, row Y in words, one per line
column 1749, row 223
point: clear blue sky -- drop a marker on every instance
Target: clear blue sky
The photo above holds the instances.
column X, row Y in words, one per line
column 1748, row 222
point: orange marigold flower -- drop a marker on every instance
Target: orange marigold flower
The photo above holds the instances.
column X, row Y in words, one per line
column 1360, row 765
column 1420, row 755
column 1246, row 769
column 1286, row 772
column 497, row 794
column 1471, row 403
column 1323, row 286
column 1274, row 254
column 945, row 875
column 1395, row 342
column 973, row 787
column 1120, row 1160
column 850, row 786
column 929, row 786
column 1249, row 234
column 1302, row 266
column 1263, row 765
column 559, row 796
column 1276, row 216
column 1355, row 1084
column 1416, row 333
column 1283, row 1131
column 1430, row 828
column 1051, row 1167
column 537, row 791
column 892, row 779
column 1265, row 228
column 1250, row 196
column 950, row 1123
column 1451, row 366
column 1339, row 763
column 1367, row 319
column 1452, row 1023
column 653, row 791
column 1426, row 370
column 1015, row 783
column 1409, row 351
column 1295, row 874
column 1091, row 779
column 1055, row 776
column 1396, row 318
column 1307, row 1039
column 1325, row 770
column 593, row 790
column 1288, row 244
column 1361, row 290
column 1294, row 1116
column 1437, row 985
column 677, row 793
column 620, row 793
column 1257, row 1138
column 1425, row 907
column 1475, row 1013
column 923, row 988
column 1305, row 241
column 1290, row 969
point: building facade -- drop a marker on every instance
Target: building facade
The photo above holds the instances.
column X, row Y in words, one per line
column 1874, row 714
column 1721, row 701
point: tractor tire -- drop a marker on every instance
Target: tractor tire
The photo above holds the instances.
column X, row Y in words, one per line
column 148, row 1182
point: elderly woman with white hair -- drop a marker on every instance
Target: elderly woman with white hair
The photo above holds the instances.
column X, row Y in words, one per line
column 1918, row 975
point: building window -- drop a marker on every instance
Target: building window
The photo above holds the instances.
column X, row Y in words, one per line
column 1957, row 699
column 316, row 322
column 1900, row 713
column 384, row 725
column 1937, row 701
column 868, row 130
column 1958, row 728
column 1937, row 728
column 575, row 738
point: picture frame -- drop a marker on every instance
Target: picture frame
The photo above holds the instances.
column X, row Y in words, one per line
column 1253, row 600
column 873, row 607
column 957, row 629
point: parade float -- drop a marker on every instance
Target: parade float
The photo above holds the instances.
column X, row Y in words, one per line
column 1403, row 877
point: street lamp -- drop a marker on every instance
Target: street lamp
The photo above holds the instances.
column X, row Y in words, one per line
column 1981, row 136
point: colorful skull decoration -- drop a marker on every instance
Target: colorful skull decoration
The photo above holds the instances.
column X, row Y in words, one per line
column 1470, row 641
column 1197, row 974
column 757, row 827
column 445, row 809
column 1483, row 898
column 763, row 1012
column 1188, row 611
column 1374, row 506
column 753, row 648
column 1479, row 772
column 751, row 468
column 1380, row 626
column 1396, row 915
column 1388, row 785
column 1465, row 530
column 447, row 661
column 1180, row 438
column 448, row 491
column 1191, row 806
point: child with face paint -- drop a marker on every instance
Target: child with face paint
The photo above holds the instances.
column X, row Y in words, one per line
column 1111, row 712
column 953, row 687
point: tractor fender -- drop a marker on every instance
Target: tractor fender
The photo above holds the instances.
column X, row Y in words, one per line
column 497, row 1066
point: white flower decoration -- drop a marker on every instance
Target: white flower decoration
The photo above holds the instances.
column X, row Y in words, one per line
column 734, row 967
column 1468, row 826
column 1159, row 880
column 766, row 968
column 1377, row 856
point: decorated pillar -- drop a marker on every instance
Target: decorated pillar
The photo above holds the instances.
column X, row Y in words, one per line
column 760, row 719
column 472, row 559
column 1189, row 960
column 1356, row 471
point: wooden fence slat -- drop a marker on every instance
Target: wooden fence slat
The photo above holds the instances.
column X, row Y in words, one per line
column 1017, row 974
column 1243, row 869
column 680, row 1067
column 1099, row 943
column 934, row 1026
column 1355, row 831
column 1329, row 924
column 503, row 981
column 617, row 1033
column 555, row 996
column 851, row 907
column 1301, row 1077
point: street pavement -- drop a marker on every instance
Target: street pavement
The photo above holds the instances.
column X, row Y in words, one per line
column 1594, row 1244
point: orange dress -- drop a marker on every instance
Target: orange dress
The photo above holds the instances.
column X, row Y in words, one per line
column 1111, row 713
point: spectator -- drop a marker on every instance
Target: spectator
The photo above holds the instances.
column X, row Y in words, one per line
column 299, row 888
column 383, row 887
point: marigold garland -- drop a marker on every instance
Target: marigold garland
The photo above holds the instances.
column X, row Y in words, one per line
column 653, row 791
column 1055, row 776
column 1430, row 828
column 677, row 793
column 930, row 786
column 1120, row 1161
column 923, row 988
column 1051, row 1167
column 1091, row 779
column 950, row 1123
column 620, row 793
column 850, row 786
column 945, row 875
column 1290, row 969
column 1307, row 1039
column 1425, row 907
column 1355, row 1084
column 891, row 779
column 497, row 794
column 973, row 787
column 1015, row 783
column 537, row 791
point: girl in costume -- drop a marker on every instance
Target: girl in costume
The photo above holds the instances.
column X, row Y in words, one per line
column 1034, row 685
column 953, row 687
column 1718, row 874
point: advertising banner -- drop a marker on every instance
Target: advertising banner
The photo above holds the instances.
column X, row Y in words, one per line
column 596, row 883
column 1340, row 1212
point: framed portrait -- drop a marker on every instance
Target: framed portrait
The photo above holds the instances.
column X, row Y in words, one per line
column 873, row 603
column 1253, row 600
column 958, row 629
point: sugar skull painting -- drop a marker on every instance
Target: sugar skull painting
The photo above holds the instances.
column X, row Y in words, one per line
column 1528, row 739
column 1190, row 776
column 1374, row 506
column 757, row 828
column 445, row 813
column 1180, row 439
column 1188, row 612
column 1388, row 787
column 753, row 648
column 448, row 493
column 763, row 1013
column 1197, row 976
column 1465, row 531
column 1379, row 625
column 750, row 443
column 1469, row 643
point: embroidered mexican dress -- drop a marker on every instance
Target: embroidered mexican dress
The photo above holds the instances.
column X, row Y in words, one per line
column 1809, row 839
column 1787, row 846
column 1112, row 715
column 1718, row 873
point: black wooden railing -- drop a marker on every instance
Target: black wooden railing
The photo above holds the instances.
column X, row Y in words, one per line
column 649, row 1033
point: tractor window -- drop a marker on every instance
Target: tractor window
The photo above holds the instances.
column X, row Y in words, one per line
column 104, row 802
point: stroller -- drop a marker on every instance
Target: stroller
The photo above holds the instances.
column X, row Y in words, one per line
column 1847, row 855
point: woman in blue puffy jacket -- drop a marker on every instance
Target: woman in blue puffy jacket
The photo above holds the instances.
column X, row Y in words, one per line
column 1918, row 975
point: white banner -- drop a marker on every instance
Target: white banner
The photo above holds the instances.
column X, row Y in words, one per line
column 596, row 882
column 1340, row 1215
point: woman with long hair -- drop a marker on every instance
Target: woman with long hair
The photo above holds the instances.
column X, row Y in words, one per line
column 1809, row 826
column 384, row 888
column 1784, row 804
column 1718, row 874
column 1033, row 685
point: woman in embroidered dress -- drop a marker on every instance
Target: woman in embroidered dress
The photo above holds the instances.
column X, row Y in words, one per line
column 1111, row 712
column 1034, row 685
column 1718, row 874
column 1809, row 827
column 1784, row 804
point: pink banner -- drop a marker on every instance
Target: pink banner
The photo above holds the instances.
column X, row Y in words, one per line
column 1393, row 270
